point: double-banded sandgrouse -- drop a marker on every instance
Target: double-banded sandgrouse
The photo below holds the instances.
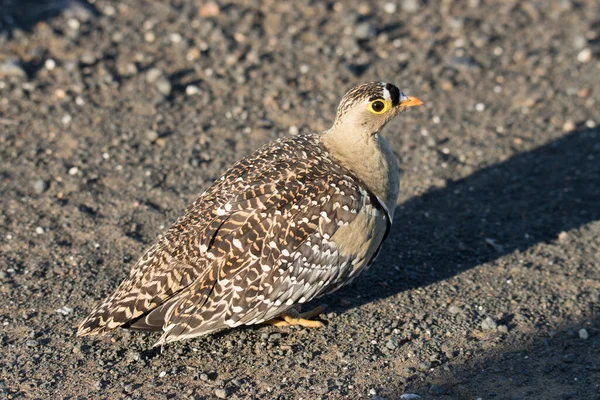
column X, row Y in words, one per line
column 298, row 219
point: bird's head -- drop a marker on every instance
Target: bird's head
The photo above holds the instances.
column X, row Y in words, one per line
column 368, row 107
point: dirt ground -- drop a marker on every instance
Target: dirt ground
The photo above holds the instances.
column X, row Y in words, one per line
column 115, row 115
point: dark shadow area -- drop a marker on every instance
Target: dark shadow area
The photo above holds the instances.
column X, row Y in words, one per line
column 528, row 199
column 563, row 366
column 25, row 14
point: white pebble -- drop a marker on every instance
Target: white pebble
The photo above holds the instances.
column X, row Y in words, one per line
column 293, row 130
column 175, row 37
column 109, row 10
column 497, row 89
column 73, row 24
column 64, row 310
column 9, row 237
column 73, row 171
column 583, row 334
column 304, row 69
column 479, row 107
column 435, row 119
column 191, row 90
column 584, row 55
column 50, row 64
column 106, row 156
column 79, row 101
column 39, row 230
column 390, row 8
column 162, row 374
column 66, row 119
column 590, row 124
column 149, row 37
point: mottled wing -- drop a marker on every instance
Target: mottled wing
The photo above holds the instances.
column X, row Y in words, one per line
column 274, row 252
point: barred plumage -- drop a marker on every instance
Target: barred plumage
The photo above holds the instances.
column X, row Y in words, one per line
column 285, row 225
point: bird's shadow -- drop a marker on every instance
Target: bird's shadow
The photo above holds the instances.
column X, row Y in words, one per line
column 511, row 206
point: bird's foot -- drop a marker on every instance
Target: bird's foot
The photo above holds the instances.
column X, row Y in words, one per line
column 293, row 317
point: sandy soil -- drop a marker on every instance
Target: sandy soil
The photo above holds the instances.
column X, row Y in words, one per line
column 115, row 115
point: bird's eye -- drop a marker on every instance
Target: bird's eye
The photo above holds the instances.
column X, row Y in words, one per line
column 379, row 106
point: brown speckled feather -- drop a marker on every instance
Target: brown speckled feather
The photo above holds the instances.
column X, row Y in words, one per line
column 252, row 246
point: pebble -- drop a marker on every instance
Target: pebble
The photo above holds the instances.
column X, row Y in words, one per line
column 488, row 324
column 65, row 310
column 221, row 393
column 293, row 130
column 162, row 374
column 151, row 135
column 372, row 392
column 50, row 64
column 454, row 310
column 410, row 6
column 502, row 328
column 73, row 171
column 409, row 396
column 153, row 74
column 364, row 31
column 192, row 90
column 480, row 107
column 39, row 230
column 390, row 8
column 66, row 119
column 568, row 126
column 591, row 124
column 12, row 68
column 31, row 343
column 164, row 86
column 584, row 55
column 40, row 186
column 583, row 334
column 210, row 9
column 391, row 344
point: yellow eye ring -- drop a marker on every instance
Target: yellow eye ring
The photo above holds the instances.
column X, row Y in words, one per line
column 379, row 106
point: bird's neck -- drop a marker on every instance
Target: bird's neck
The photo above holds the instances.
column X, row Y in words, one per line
column 369, row 158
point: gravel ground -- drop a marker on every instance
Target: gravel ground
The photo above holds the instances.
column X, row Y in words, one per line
column 115, row 115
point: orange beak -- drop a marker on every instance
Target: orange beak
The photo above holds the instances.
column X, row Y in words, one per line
column 411, row 102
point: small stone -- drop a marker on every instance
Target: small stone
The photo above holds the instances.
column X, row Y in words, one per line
column 410, row 6
column 390, row 8
column 480, row 107
column 502, row 328
column 73, row 171
column 73, row 24
column 583, row 334
column 66, row 119
column 391, row 344
column 488, row 324
column 149, row 37
column 50, row 64
column 221, row 393
column 39, row 230
column 210, row 9
column 364, row 31
column 31, row 343
column 563, row 236
column 591, row 124
column 192, row 90
column 372, row 392
column 454, row 310
column 153, row 74
column 584, row 55
column 64, row 310
column 293, row 130
column 12, row 68
column 151, row 135
column 568, row 126
column 40, row 186
column 409, row 396
column 164, row 86
column 175, row 37
column 162, row 374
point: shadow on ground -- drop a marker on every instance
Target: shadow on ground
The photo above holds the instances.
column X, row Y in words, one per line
column 25, row 14
column 561, row 366
column 528, row 199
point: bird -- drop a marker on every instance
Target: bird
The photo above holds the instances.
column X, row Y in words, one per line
column 296, row 220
